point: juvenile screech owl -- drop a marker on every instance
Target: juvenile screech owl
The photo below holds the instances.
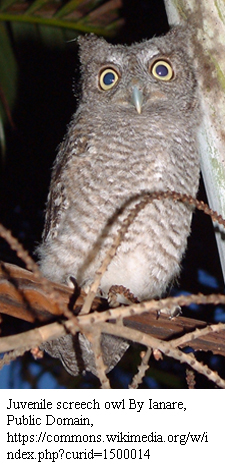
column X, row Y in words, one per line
column 134, row 131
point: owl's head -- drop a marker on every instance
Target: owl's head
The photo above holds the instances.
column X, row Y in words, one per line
column 154, row 74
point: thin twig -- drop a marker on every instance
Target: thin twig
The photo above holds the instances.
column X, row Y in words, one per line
column 94, row 337
column 190, row 336
column 190, row 378
column 20, row 251
column 80, row 323
column 143, row 367
column 9, row 357
column 151, row 305
column 165, row 348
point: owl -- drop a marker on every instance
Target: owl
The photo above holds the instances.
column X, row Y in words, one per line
column 134, row 132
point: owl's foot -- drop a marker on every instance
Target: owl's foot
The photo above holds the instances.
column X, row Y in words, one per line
column 37, row 353
column 173, row 312
column 118, row 294
column 72, row 282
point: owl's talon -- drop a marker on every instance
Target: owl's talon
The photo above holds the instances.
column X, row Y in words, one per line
column 37, row 353
column 173, row 312
column 72, row 282
column 112, row 300
column 118, row 295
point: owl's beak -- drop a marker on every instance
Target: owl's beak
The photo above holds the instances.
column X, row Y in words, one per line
column 137, row 98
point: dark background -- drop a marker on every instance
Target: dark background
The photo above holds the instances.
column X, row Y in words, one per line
column 43, row 109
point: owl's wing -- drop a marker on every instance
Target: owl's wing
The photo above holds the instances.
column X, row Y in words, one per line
column 74, row 145
column 56, row 201
column 76, row 355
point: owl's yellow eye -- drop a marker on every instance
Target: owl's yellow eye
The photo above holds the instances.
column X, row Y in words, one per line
column 108, row 79
column 162, row 70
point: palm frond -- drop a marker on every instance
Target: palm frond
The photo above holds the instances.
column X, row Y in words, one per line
column 101, row 17
column 52, row 22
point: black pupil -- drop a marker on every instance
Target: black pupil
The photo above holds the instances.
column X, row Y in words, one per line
column 109, row 78
column 162, row 70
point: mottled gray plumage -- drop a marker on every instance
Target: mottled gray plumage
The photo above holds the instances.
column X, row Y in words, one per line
column 134, row 131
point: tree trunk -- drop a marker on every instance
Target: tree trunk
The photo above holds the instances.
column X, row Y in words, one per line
column 208, row 21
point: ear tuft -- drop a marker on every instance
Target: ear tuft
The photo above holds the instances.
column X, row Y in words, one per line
column 182, row 34
column 89, row 44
